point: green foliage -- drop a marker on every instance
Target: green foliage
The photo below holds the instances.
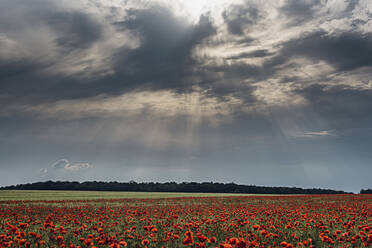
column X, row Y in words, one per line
column 185, row 187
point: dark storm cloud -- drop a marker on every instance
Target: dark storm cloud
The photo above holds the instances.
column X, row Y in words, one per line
column 10, row 69
column 238, row 71
column 345, row 51
column 76, row 30
column 299, row 11
column 239, row 17
column 22, row 73
column 163, row 59
column 39, row 87
column 221, row 80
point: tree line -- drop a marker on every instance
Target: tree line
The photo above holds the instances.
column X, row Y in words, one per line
column 366, row 191
column 191, row 187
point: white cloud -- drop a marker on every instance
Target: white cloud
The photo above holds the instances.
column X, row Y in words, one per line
column 319, row 133
column 64, row 164
column 78, row 166
column 60, row 164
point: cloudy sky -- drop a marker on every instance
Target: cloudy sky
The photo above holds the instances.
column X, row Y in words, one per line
column 252, row 92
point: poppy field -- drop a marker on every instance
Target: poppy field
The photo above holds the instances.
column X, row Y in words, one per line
column 225, row 222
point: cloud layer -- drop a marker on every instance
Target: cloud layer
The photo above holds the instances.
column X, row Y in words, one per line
column 229, row 91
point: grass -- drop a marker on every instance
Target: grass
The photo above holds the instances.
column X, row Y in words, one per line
column 6, row 195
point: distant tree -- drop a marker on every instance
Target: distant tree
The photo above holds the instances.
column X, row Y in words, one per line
column 366, row 191
column 205, row 187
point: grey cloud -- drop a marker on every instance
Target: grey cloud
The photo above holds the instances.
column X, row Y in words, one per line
column 345, row 51
column 164, row 58
column 239, row 70
column 72, row 29
column 76, row 30
column 11, row 69
column 239, row 17
column 235, row 79
column 299, row 11
column 351, row 5
column 339, row 106
column 41, row 35
column 254, row 54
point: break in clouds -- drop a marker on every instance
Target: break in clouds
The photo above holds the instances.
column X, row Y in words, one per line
column 254, row 92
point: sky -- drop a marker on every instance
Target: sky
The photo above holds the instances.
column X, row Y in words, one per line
column 275, row 93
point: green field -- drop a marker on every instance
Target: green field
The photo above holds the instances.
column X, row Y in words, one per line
column 6, row 195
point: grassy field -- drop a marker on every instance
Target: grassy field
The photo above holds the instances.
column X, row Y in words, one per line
column 6, row 195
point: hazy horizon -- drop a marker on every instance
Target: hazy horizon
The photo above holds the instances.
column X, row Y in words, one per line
column 267, row 93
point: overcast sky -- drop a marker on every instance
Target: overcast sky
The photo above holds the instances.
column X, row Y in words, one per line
column 253, row 92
